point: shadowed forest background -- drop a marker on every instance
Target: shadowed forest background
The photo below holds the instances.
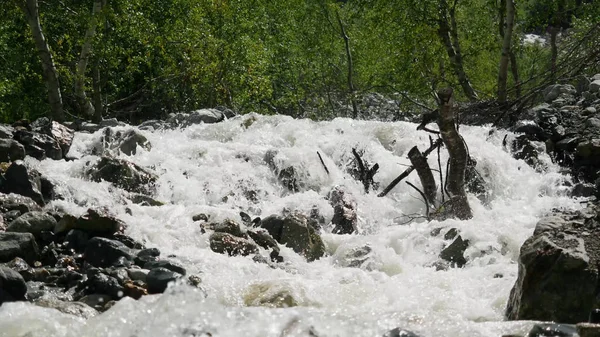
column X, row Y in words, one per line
column 142, row 59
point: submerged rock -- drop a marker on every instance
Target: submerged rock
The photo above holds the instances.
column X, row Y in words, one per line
column 553, row 330
column 345, row 219
column 125, row 142
column 454, row 253
column 103, row 252
column 158, row 279
column 397, row 332
column 226, row 243
column 78, row 309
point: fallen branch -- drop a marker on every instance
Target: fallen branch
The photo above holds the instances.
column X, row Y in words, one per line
column 323, row 163
column 419, row 162
column 423, row 196
column 408, row 171
column 366, row 173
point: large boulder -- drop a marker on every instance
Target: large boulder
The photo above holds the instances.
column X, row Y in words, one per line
column 558, row 269
column 16, row 202
column 123, row 174
column 21, row 245
column 295, row 231
column 19, row 179
column 11, row 150
column 6, row 132
column 553, row 91
column 39, row 145
column 207, row 116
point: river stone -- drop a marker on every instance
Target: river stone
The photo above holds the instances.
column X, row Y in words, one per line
column 225, row 243
column 564, row 251
column 295, row 231
column 138, row 274
column 15, row 202
column 33, row 222
column 397, row 332
column 263, row 238
column 98, row 221
column 553, row 91
column 454, row 253
column 231, row 227
column 12, row 286
column 11, row 150
column 103, row 252
column 122, row 141
column 170, row 265
column 158, row 279
column 100, row 283
column 78, row 309
column 123, row 174
column 24, row 181
column 21, row 245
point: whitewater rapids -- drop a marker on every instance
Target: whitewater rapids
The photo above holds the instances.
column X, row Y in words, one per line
column 398, row 287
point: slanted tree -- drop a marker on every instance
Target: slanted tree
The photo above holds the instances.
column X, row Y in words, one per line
column 30, row 9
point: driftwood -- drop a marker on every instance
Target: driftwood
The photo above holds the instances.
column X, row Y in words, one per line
column 419, row 162
column 457, row 151
column 323, row 163
column 424, row 198
column 409, row 170
column 366, row 173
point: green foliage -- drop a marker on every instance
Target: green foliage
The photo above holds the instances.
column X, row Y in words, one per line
column 155, row 57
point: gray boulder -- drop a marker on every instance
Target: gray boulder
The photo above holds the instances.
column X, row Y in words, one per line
column 97, row 221
column 553, row 91
column 24, row 181
column 344, row 219
column 595, row 86
column 39, row 145
column 12, row 286
column 225, row 243
column 32, row 222
column 78, row 309
column 6, row 132
column 295, row 231
column 558, row 269
column 11, row 150
column 21, row 245
column 125, row 142
column 15, row 202
column 158, row 279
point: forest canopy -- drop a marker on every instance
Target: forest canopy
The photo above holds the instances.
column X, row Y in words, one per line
column 142, row 59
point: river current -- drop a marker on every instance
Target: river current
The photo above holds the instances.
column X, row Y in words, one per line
column 398, row 286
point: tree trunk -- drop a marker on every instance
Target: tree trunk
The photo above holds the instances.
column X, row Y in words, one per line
column 449, row 37
column 97, row 94
column 31, row 10
column 455, row 181
column 85, row 106
column 515, row 74
column 554, row 50
column 350, row 67
column 505, row 56
column 419, row 162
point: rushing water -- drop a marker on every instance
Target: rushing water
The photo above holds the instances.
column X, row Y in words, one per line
column 398, row 286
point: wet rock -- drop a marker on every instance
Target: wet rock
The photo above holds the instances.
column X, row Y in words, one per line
column 98, row 221
column 583, row 190
column 147, row 255
column 345, row 219
column 39, row 146
column 170, row 265
column 158, row 279
column 594, row 86
column 397, row 332
column 553, row 330
column 15, row 202
column 357, row 257
column 24, row 181
column 63, row 135
column 563, row 250
column 206, row 116
column 263, row 239
column 454, row 253
column 100, row 283
column 225, row 243
column 231, row 227
column 12, row 286
column 286, row 176
column 133, row 290
column 103, row 252
column 552, row 92
column 78, row 309
column 125, row 142
column 523, row 148
column 32, row 222
column 11, row 150
column 96, row 301
column 588, row 329
column 128, row 241
column 21, row 245
column 76, row 240
column 153, row 125
column 123, row 174
column 144, row 200
column 138, row 274
column 272, row 295
column 295, row 232
column 200, row 217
